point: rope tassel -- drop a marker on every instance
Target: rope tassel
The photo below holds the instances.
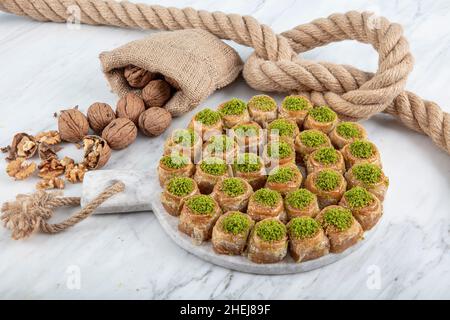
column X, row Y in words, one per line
column 29, row 213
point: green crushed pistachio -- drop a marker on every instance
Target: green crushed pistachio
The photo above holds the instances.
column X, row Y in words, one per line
column 361, row 149
column 270, row 230
column 300, row 198
column 322, row 114
column 233, row 187
column 201, row 204
column 279, row 150
column 180, row 186
column 220, row 143
column 214, row 166
column 175, row 161
column 282, row 175
column 303, row 227
column 263, row 103
column 246, row 130
column 367, row 173
column 328, row 180
column 358, row 197
column 313, row 138
column 247, row 162
column 234, row 107
column 185, row 137
column 326, row 155
column 235, row 223
column 295, row 103
column 338, row 217
column 348, row 130
column 285, row 127
column 208, row 117
column 267, row 197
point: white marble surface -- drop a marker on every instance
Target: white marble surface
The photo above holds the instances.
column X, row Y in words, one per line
column 46, row 67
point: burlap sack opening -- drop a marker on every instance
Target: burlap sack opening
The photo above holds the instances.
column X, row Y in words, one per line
column 197, row 60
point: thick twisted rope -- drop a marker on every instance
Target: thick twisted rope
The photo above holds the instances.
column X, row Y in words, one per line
column 29, row 213
column 274, row 66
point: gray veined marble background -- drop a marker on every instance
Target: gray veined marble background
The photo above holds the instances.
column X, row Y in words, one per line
column 46, row 67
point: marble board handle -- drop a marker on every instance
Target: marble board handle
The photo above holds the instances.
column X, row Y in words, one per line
column 140, row 189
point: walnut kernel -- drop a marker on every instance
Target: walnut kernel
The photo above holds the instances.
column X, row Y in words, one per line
column 20, row 169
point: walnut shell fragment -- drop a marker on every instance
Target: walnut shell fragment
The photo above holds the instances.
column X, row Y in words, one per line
column 22, row 146
column 20, row 169
column 120, row 133
column 130, row 106
column 154, row 121
column 96, row 152
column 47, row 151
column 99, row 116
column 72, row 125
column 138, row 77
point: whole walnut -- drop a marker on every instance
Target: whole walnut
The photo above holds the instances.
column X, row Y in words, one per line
column 172, row 82
column 156, row 93
column 99, row 116
column 154, row 121
column 120, row 133
column 130, row 106
column 72, row 125
column 138, row 77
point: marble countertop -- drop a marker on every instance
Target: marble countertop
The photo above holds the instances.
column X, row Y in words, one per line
column 47, row 67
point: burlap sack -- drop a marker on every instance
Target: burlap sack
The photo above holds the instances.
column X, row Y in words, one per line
column 197, row 60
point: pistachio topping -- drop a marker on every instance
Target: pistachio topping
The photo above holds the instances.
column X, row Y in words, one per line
column 284, row 127
column 184, row 137
column 348, row 130
column 247, row 162
column 322, row 114
column 214, row 166
column 232, row 187
column 220, row 143
column 263, row 103
column 270, row 230
column 279, row 150
column 201, row 204
column 367, row 173
column 361, row 149
column 358, row 197
column 303, row 227
column 267, row 197
column 246, row 130
column 313, row 138
column 295, row 103
column 300, row 198
column 208, row 117
column 327, row 180
column 234, row 107
column 235, row 223
column 282, row 175
column 338, row 217
column 326, row 155
column 180, row 186
column 174, row 161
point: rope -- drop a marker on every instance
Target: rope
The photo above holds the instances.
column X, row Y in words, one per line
column 29, row 213
column 275, row 66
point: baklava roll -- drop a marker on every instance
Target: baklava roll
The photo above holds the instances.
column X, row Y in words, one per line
column 176, row 191
column 207, row 123
column 369, row 176
column 361, row 151
column 221, row 146
column 307, row 240
column 278, row 154
column 208, row 172
column 233, row 112
column 230, row 233
column 250, row 167
column 186, row 142
column 346, row 132
column 232, row 194
column 266, row 203
column 296, row 108
column 341, row 228
column 249, row 136
column 325, row 158
column 284, row 179
column 321, row 118
column 283, row 130
column 301, row 203
column 268, row 241
column 262, row 109
column 310, row 140
column 365, row 207
column 198, row 216
column 329, row 186
column 173, row 165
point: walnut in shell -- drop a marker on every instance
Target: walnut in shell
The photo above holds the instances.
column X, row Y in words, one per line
column 96, row 152
column 22, row 146
column 138, row 77
column 120, row 133
column 154, row 121
column 130, row 106
column 72, row 125
column 99, row 116
column 20, row 169
column 156, row 93
column 172, row 82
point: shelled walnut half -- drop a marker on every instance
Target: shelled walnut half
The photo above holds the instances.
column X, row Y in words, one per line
column 22, row 146
column 52, row 183
column 96, row 152
column 20, row 169
column 75, row 172
column 51, row 137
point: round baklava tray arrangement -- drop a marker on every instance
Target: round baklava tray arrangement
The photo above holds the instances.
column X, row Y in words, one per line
column 270, row 189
